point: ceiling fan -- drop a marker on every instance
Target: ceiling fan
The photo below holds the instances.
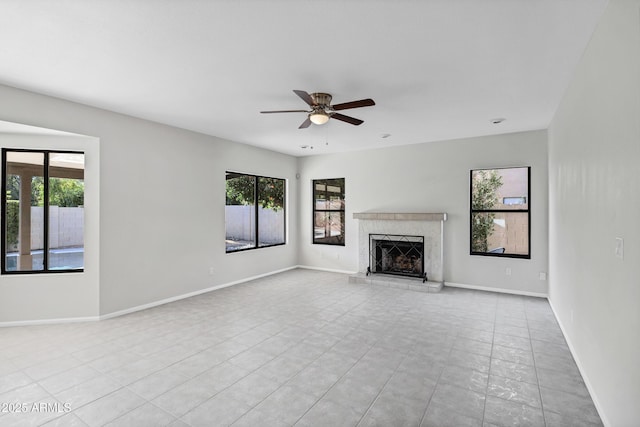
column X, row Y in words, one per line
column 322, row 110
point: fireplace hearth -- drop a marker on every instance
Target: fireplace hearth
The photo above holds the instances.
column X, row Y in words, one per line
column 399, row 255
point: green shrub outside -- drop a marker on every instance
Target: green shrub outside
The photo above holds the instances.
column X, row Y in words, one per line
column 13, row 220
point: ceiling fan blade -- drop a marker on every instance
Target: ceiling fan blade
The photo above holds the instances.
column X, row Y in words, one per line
column 305, row 96
column 284, row 111
column 305, row 124
column 354, row 104
column 347, row 119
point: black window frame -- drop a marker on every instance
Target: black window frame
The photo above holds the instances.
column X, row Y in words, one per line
column 256, row 211
column 315, row 210
column 45, row 237
column 476, row 211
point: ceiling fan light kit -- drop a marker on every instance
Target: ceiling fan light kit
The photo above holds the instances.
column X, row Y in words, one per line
column 319, row 117
column 322, row 110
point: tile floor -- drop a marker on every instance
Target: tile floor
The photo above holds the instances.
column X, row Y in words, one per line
column 302, row 348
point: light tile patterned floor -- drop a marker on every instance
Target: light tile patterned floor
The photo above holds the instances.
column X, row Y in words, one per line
column 302, row 348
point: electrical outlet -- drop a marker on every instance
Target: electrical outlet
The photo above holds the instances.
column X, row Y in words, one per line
column 211, row 271
column 507, row 271
column 543, row 275
column 619, row 251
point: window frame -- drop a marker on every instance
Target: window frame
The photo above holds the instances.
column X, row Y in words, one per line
column 257, row 209
column 315, row 210
column 477, row 211
column 45, row 225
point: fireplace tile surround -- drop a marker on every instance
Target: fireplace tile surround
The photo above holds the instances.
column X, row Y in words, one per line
column 428, row 225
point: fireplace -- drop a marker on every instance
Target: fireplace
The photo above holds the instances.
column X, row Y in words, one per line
column 416, row 232
column 397, row 254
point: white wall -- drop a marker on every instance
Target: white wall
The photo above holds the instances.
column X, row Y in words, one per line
column 594, row 158
column 174, row 181
column 59, row 295
column 432, row 177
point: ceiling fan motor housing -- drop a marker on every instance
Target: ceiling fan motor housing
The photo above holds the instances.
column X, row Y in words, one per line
column 321, row 99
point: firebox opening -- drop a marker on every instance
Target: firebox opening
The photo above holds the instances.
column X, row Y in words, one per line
column 399, row 255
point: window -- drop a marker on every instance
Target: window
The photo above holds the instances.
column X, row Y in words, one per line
column 500, row 221
column 514, row 200
column 328, row 211
column 42, row 211
column 254, row 212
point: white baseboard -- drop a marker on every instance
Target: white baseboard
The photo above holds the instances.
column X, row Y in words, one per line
column 225, row 285
column 189, row 295
column 592, row 391
column 48, row 321
column 140, row 307
column 499, row 290
column 329, row 270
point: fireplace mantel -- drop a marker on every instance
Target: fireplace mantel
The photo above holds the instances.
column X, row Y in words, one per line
column 386, row 216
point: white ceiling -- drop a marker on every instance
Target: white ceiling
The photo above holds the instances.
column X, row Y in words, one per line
column 437, row 69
